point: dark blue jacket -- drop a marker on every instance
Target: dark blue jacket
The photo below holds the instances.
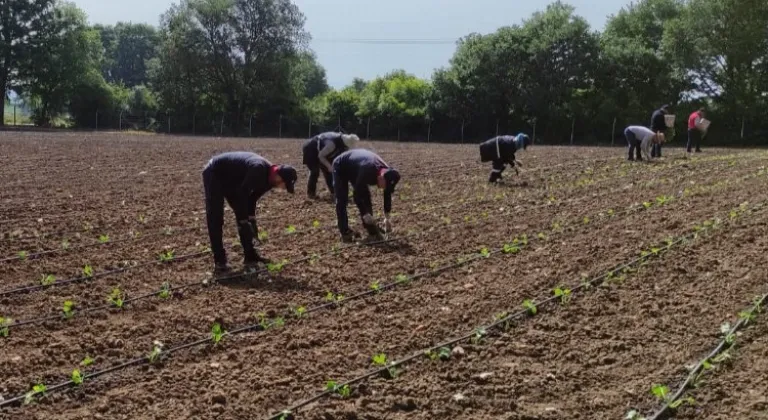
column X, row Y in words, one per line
column 361, row 168
column 658, row 122
column 313, row 146
column 504, row 150
column 242, row 176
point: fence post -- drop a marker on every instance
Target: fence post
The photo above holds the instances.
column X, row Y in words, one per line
column 497, row 127
column 121, row 120
column 533, row 140
column 429, row 132
column 309, row 131
column 368, row 130
column 462, row 131
column 339, row 123
column 221, row 125
column 613, row 132
column 14, row 114
column 169, row 121
column 194, row 122
column 97, row 120
column 742, row 128
column 573, row 127
column 250, row 126
column 280, row 128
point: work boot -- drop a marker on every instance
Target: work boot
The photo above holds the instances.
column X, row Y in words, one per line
column 220, row 270
column 698, row 150
column 349, row 236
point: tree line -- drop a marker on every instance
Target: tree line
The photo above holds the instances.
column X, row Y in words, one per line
column 236, row 61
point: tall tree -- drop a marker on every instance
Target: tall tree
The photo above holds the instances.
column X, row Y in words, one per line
column 21, row 21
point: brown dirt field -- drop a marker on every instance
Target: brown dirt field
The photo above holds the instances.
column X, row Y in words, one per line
column 592, row 359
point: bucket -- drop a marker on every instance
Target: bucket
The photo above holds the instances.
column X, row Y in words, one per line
column 703, row 125
column 669, row 120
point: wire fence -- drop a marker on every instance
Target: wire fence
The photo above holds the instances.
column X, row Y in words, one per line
column 556, row 131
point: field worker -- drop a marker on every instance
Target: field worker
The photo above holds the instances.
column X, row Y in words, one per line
column 362, row 168
column 319, row 152
column 694, row 135
column 640, row 140
column 501, row 151
column 659, row 125
column 240, row 178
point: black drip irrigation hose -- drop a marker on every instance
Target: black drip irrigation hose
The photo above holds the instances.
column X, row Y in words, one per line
column 667, row 410
column 202, row 283
column 483, row 330
column 37, row 255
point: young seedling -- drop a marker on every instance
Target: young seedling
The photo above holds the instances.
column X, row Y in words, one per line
column 4, row 323
column 290, row 230
column 77, row 377
column 65, row 244
column 634, row 415
column 485, row 253
column 47, row 279
column 541, row 236
column 68, row 309
column 142, row 219
column 154, row 355
column 314, row 259
column 166, row 256
column 300, row 311
column 263, row 236
column 331, row 297
column 316, row 224
column 563, row 293
column 88, row 271
column 480, row 333
column 87, row 361
column 647, row 204
column 274, row 268
column 278, row 322
column 217, row 333
column 510, row 249
column 376, row 286
column 611, row 212
column 746, row 317
column 585, row 220
column 103, row 239
column 285, row 415
column 23, row 255
column 116, row 298
column 167, row 231
column 38, row 389
column 446, row 220
column 165, row 290
column 530, row 306
column 402, row 278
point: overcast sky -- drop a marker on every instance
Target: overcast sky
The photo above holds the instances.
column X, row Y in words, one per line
column 334, row 24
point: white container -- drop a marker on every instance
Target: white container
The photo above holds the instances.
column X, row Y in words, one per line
column 703, row 125
column 669, row 120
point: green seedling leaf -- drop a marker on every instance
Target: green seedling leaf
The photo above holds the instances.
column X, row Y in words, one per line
column 380, row 359
column 23, row 255
column 586, row 220
column 402, row 278
column 661, row 392
column 677, row 403
column 263, row 236
column 276, row 267
column 290, row 230
column 747, row 317
column 647, row 204
column 68, row 309
column 65, row 244
column 444, row 353
column 501, row 315
column 541, row 236
column 725, row 328
column 88, row 271
column 77, row 377
column 217, row 333
column 331, row 386
column 530, row 306
column 485, row 253
column 165, row 290
column 103, row 239
column 510, row 249
column 563, row 293
column 38, row 389
column 48, row 279
column 154, row 355
column 375, row 286
column 344, row 391
column 87, row 361
column 611, row 212
column 166, row 256
column 116, row 298
column 634, row 415
column 300, row 311
column 446, row 220
column 315, row 224
column 4, row 323
column 480, row 333
column 285, row 415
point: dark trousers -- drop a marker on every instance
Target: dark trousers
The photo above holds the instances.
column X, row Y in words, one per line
column 694, row 139
column 215, row 196
column 634, row 145
column 498, row 167
column 656, row 150
column 314, row 174
column 362, row 200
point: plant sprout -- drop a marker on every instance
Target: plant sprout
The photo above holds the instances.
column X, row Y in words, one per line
column 290, row 230
column 485, row 253
column 87, row 361
column 165, row 290
column 402, row 278
column 68, row 309
column 217, row 333
column 38, row 389
column 300, row 311
column 376, row 286
column 154, row 355
column 510, row 249
column 530, row 306
column 65, row 244
column 103, row 239
column 563, row 293
column 88, row 271
column 166, row 256
column 276, row 267
column 316, row 224
column 263, row 236
column 77, row 377
column 116, row 298
column 4, row 323
column 23, row 255
column 478, row 336
column 379, row 359
column 48, row 279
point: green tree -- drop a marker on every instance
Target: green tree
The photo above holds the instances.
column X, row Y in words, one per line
column 21, row 23
column 128, row 47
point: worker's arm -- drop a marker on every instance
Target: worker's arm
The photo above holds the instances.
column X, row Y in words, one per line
column 325, row 153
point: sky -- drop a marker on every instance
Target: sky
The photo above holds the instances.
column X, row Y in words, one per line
column 337, row 26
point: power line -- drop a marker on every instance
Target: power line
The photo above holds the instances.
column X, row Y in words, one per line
column 411, row 41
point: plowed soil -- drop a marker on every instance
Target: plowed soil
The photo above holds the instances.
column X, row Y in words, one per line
column 580, row 208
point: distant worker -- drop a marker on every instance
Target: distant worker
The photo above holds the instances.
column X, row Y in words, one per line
column 501, row 151
column 362, row 168
column 659, row 125
column 695, row 134
column 319, row 153
column 240, row 178
column 641, row 140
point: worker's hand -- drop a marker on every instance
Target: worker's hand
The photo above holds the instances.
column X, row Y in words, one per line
column 368, row 219
column 387, row 225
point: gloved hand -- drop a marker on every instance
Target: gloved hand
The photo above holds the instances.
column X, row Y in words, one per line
column 368, row 219
column 387, row 225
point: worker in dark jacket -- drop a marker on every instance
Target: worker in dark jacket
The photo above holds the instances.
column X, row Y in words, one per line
column 658, row 125
column 240, row 178
column 501, row 151
column 319, row 152
column 362, row 168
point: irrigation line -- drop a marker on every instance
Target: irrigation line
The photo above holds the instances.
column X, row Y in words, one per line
column 79, row 312
column 482, row 331
column 259, row 327
column 723, row 345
